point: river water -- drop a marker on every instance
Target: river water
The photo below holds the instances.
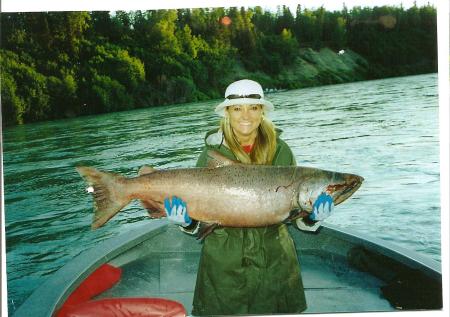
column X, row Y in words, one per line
column 384, row 130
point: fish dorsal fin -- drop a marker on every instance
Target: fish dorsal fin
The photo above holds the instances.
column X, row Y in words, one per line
column 146, row 170
column 215, row 159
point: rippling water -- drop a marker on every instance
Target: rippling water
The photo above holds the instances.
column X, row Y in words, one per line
column 384, row 130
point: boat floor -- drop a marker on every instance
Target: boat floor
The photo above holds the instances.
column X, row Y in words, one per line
column 330, row 285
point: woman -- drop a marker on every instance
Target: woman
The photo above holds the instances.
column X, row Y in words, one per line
column 245, row 270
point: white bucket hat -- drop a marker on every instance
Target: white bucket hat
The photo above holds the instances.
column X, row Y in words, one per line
column 243, row 92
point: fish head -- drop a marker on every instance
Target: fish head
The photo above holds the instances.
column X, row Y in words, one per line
column 339, row 186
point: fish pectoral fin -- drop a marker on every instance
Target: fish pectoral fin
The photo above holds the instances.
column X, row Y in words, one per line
column 156, row 214
column 215, row 160
column 296, row 214
column 154, row 209
column 206, row 229
column 146, row 170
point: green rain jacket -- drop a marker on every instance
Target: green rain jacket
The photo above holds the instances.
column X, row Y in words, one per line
column 248, row 270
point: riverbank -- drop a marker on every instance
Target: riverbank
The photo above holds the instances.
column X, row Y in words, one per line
column 67, row 64
column 327, row 67
column 313, row 68
column 308, row 69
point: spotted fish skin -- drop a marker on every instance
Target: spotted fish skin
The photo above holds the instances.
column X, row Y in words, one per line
column 233, row 195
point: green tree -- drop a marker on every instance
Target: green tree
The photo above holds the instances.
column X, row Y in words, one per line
column 26, row 90
column 12, row 105
column 284, row 20
column 108, row 95
column 63, row 96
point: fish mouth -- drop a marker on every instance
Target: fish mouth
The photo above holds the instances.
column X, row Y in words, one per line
column 345, row 190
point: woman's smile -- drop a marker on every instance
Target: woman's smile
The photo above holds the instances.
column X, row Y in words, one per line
column 245, row 120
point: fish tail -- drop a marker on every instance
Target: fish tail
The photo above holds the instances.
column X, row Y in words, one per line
column 109, row 196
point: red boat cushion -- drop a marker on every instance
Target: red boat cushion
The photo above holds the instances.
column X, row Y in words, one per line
column 99, row 281
column 128, row 307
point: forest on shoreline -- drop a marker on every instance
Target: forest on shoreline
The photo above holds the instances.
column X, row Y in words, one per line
column 65, row 64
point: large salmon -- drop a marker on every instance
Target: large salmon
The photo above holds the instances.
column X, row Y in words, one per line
column 227, row 194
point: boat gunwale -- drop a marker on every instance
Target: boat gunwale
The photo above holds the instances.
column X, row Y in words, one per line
column 410, row 258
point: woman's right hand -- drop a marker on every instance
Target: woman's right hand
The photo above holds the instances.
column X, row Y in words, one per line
column 177, row 211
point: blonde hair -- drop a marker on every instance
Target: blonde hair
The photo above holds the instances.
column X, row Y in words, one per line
column 264, row 147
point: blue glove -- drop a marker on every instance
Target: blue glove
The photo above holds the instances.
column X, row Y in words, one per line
column 177, row 212
column 322, row 207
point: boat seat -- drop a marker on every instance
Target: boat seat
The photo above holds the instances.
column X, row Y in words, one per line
column 80, row 303
column 128, row 307
column 105, row 277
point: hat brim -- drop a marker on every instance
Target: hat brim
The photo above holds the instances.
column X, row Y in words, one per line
column 220, row 109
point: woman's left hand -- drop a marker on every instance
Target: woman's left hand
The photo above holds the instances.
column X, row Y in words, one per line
column 322, row 207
